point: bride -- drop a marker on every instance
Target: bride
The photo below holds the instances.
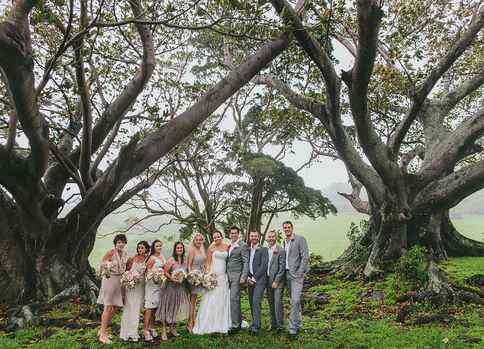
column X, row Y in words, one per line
column 214, row 312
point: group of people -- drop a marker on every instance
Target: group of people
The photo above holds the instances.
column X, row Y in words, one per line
column 268, row 269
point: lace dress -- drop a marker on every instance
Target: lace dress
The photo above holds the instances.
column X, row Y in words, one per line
column 134, row 301
column 214, row 313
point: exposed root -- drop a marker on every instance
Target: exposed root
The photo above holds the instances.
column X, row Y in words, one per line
column 23, row 316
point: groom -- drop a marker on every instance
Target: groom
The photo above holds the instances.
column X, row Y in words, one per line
column 257, row 281
column 237, row 270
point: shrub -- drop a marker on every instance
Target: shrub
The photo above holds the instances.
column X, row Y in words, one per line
column 412, row 265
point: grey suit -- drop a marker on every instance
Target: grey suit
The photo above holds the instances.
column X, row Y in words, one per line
column 276, row 272
column 237, row 270
column 259, row 273
column 297, row 266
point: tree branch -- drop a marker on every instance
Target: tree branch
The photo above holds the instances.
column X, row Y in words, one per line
column 452, row 147
column 454, row 52
column 450, row 100
column 121, row 104
column 16, row 63
column 135, row 158
column 86, row 142
column 451, row 189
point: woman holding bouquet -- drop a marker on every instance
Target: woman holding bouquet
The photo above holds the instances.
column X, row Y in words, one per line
column 174, row 303
column 154, row 269
column 196, row 268
column 135, row 295
column 110, row 295
column 214, row 312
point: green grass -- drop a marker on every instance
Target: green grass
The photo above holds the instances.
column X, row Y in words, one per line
column 347, row 321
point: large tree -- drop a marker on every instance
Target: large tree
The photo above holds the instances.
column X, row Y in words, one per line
column 79, row 65
column 413, row 97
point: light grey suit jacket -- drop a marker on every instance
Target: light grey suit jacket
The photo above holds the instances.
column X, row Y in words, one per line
column 277, row 267
column 238, row 263
column 298, row 259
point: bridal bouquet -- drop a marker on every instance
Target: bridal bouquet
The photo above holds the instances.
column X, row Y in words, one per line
column 104, row 270
column 178, row 275
column 156, row 275
column 195, row 278
column 209, row 281
column 129, row 279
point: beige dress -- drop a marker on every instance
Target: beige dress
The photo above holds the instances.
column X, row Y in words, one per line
column 198, row 263
column 132, row 307
column 174, row 300
column 152, row 290
column 110, row 292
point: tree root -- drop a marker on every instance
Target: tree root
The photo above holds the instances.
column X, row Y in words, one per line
column 28, row 315
column 23, row 316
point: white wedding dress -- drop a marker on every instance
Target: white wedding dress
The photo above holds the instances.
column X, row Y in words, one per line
column 214, row 313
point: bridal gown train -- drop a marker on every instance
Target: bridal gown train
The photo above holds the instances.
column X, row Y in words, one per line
column 214, row 313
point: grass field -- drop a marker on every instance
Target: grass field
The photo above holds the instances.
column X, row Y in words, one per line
column 348, row 321
column 326, row 236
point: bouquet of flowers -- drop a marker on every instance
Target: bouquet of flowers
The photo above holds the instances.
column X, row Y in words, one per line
column 209, row 281
column 195, row 278
column 104, row 270
column 178, row 275
column 129, row 279
column 156, row 275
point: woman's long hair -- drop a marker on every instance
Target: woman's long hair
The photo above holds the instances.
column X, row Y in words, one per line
column 174, row 255
column 202, row 248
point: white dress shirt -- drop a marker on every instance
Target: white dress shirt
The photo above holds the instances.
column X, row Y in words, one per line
column 251, row 261
column 232, row 246
column 271, row 252
column 287, row 245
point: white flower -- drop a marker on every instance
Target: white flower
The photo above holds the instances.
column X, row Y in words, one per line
column 210, row 281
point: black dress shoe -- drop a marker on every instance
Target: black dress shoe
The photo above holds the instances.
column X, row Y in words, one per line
column 292, row 336
column 253, row 332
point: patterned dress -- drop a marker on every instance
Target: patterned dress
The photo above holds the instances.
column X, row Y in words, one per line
column 110, row 292
column 174, row 301
column 152, row 290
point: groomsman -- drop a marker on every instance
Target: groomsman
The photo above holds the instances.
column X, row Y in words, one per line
column 297, row 265
column 257, row 281
column 275, row 280
column 237, row 270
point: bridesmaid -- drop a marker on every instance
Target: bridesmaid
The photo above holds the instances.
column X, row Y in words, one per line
column 152, row 291
column 196, row 261
column 174, row 302
column 110, row 294
column 134, row 297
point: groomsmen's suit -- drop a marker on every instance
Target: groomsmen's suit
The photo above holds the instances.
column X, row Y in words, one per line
column 275, row 274
column 237, row 270
column 297, row 265
column 258, row 260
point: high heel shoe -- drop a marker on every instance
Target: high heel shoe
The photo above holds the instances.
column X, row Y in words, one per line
column 105, row 339
column 164, row 337
column 174, row 332
column 147, row 335
column 109, row 335
column 153, row 332
column 190, row 328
